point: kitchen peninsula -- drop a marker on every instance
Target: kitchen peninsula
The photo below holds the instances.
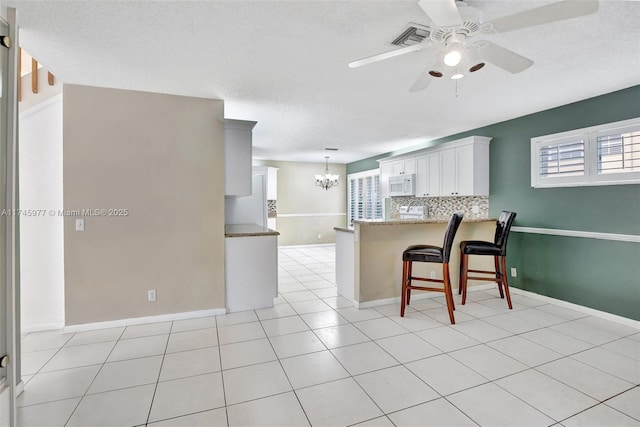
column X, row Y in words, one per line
column 369, row 256
column 251, row 266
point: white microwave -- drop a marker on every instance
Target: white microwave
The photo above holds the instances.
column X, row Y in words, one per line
column 402, row 185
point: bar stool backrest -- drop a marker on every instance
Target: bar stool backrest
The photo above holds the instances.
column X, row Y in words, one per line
column 503, row 226
column 450, row 234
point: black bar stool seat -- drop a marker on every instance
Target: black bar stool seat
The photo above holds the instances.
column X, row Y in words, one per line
column 497, row 249
column 434, row 254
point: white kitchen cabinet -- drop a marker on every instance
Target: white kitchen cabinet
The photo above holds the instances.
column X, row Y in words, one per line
column 456, row 168
column 386, row 170
column 393, row 168
column 251, row 267
column 271, row 177
column 428, row 175
column 272, row 183
column 465, row 170
column 237, row 157
column 403, row 166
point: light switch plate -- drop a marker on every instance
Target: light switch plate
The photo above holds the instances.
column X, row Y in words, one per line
column 79, row 224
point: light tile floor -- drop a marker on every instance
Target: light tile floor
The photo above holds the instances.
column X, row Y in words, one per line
column 313, row 359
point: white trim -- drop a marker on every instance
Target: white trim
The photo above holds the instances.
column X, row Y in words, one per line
column 42, row 327
column 575, row 233
column 292, row 215
column 142, row 320
column 19, row 388
column 577, row 307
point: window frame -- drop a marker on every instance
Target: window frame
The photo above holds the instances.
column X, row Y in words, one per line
column 591, row 177
column 372, row 173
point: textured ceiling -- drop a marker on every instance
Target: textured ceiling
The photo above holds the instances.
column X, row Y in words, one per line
column 284, row 65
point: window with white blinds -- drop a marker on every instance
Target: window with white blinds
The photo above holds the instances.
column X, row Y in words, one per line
column 600, row 155
column 364, row 196
column 618, row 152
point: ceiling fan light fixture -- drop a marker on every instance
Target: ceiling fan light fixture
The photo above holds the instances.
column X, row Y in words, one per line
column 474, row 61
column 453, row 54
column 476, row 67
column 457, row 75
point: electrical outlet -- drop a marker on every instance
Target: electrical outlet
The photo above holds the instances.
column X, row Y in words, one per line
column 319, row 236
column 433, row 275
column 79, row 224
column 475, row 209
column 514, row 272
column 151, row 295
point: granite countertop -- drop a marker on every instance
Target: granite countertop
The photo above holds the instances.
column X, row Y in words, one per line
column 430, row 220
column 248, row 230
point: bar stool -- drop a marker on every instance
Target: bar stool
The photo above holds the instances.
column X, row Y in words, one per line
column 434, row 254
column 497, row 249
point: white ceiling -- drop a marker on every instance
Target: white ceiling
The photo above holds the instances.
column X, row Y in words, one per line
column 284, row 65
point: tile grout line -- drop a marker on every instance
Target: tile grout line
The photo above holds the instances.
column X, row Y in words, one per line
column 94, row 378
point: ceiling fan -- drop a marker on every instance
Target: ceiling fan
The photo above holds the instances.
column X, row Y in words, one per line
column 454, row 25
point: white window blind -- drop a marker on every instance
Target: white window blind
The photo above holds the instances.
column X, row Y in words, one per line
column 619, row 152
column 364, row 196
column 600, row 155
column 564, row 159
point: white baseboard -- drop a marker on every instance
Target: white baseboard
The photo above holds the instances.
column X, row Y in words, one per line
column 143, row 320
column 41, row 327
column 19, row 388
column 571, row 306
column 577, row 307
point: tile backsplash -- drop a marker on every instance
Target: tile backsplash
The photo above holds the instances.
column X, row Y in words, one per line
column 272, row 211
column 444, row 206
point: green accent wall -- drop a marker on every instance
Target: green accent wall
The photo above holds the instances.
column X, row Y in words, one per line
column 595, row 273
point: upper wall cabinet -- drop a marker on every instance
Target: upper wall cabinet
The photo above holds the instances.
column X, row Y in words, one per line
column 428, row 175
column 392, row 168
column 271, row 174
column 465, row 170
column 237, row 157
column 457, row 168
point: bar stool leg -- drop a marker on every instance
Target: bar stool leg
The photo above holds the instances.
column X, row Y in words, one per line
column 404, row 288
column 464, row 263
column 506, row 283
column 499, row 275
column 462, row 269
column 409, row 273
column 447, row 292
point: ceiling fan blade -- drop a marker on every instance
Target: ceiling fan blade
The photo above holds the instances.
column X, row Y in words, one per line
column 422, row 81
column 504, row 58
column 545, row 14
column 443, row 13
column 386, row 55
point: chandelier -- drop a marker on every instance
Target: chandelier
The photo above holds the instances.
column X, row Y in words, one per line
column 327, row 180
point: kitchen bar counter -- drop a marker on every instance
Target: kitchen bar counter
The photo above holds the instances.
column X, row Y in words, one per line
column 369, row 257
column 248, row 230
column 429, row 220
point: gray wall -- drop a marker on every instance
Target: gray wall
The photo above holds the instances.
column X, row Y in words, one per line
column 594, row 273
column 160, row 157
